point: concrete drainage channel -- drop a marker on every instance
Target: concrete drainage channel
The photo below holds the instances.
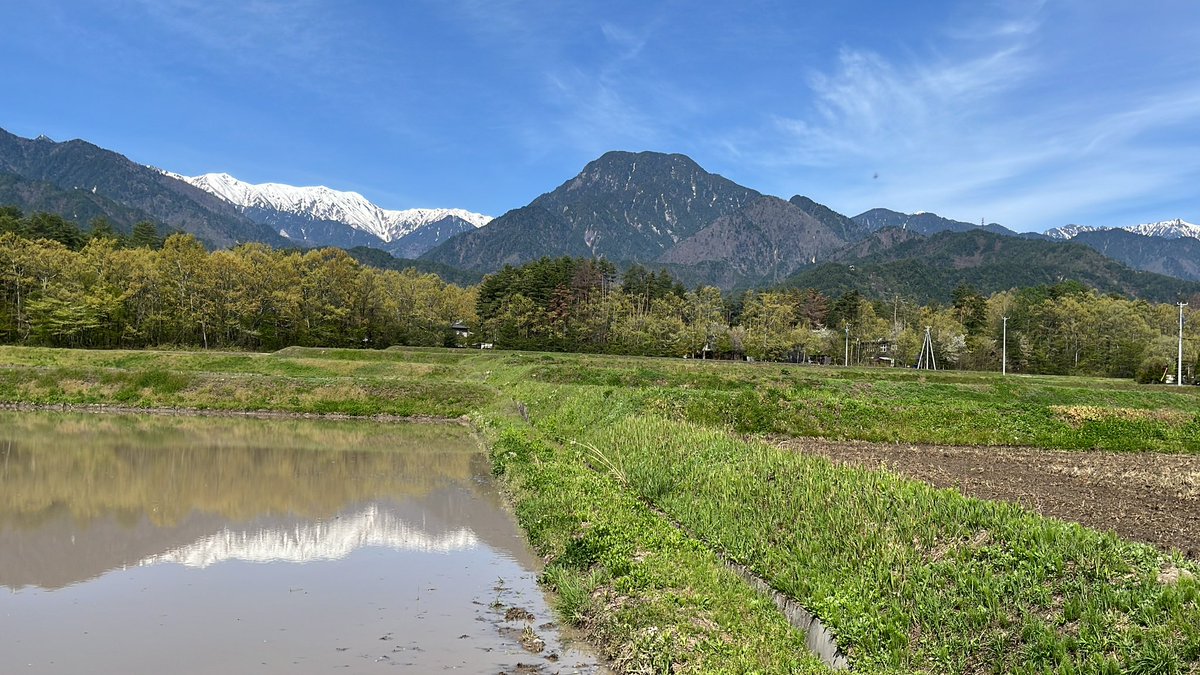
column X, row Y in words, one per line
column 819, row 639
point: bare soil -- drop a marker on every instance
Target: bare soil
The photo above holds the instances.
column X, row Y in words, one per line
column 1147, row 497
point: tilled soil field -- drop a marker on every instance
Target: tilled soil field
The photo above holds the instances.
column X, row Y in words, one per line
column 1148, row 497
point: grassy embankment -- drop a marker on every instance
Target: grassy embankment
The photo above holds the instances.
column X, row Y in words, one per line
column 909, row 577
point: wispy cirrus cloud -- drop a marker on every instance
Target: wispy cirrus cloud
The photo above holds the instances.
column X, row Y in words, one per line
column 985, row 125
column 873, row 107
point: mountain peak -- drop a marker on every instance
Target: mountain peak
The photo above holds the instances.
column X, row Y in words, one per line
column 627, row 206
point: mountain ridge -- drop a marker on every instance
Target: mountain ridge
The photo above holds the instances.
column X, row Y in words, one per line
column 80, row 165
column 769, row 239
column 923, row 222
column 1167, row 229
column 929, row 268
column 316, row 214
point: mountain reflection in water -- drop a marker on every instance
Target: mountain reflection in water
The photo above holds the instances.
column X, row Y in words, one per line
column 83, row 494
column 307, row 542
column 202, row 545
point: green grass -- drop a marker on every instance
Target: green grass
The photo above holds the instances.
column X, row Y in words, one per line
column 893, row 405
column 910, row 578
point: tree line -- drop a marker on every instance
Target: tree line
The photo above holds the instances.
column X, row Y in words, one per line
column 571, row 304
column 62, row 286
column 105, row 291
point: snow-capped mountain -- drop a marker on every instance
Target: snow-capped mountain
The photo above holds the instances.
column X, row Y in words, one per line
column 311, row 215
column 1167, row 229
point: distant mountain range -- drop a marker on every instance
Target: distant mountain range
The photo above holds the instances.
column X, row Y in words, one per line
column 320, row 216
column 654, row 209
column 81, row 181
column 928, row 268
column 666, row 211
column 1167, row 229
column 1170, row 247
column 43, row 173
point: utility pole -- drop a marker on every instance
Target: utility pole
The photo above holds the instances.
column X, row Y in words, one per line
column 1179, row 373
column 846, row 360
column 1004, row 349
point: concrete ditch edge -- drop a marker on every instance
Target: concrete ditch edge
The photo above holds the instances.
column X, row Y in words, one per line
column 817, row 637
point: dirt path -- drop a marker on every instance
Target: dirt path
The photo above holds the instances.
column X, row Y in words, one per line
column 1148, row 497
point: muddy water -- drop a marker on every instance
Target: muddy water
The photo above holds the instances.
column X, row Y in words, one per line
column 184, row 545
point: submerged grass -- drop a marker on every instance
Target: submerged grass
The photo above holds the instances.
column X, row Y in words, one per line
column 307, row 381
column 910, row 578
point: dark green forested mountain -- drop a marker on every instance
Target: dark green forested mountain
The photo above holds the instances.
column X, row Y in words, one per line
column 923, row 223
column 622, row 206
column 765, row 241
column 79, row 166
column 843, row 226
column 930, row 268
column 1179, row 258
column 80, row 206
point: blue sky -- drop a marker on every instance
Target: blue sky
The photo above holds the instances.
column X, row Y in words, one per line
column 1030, row 114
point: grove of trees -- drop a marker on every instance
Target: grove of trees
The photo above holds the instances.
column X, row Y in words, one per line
column 108, row 291
column 583, row 305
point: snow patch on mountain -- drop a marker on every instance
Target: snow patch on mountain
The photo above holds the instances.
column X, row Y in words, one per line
column 321, row 203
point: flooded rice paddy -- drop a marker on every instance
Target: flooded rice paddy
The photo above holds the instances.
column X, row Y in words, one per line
column 201, row 545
